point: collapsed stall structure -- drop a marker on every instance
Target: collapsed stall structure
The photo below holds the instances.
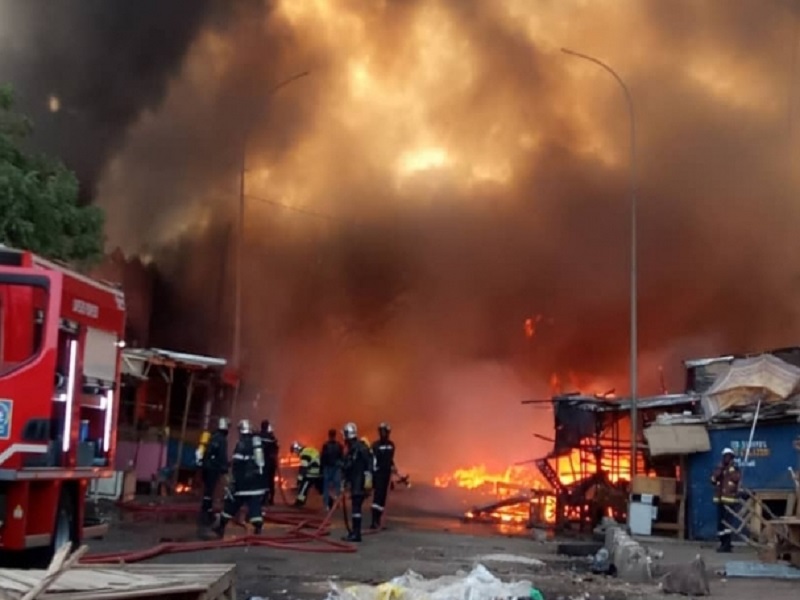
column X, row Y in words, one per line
column 588, row 472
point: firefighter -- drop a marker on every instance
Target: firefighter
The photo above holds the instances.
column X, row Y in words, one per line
column 271, row 449
column 331, row 462
column 213, row 462
column 358, row 465
column 725, row 480
column 309, row 474
column 247, row 482
column 383, row 457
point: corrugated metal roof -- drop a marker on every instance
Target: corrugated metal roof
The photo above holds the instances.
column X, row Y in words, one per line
column 624, row 404
column 704, row 362
column 180, row 359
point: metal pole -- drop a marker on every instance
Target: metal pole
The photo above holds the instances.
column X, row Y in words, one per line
column 750, row 439
column 634, row 370
column 237, row 324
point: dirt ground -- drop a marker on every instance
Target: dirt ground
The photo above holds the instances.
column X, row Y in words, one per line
column 430, row 544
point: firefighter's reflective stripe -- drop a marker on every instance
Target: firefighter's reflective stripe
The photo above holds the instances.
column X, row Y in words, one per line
column 303, row 491
column 251, row 493
column 377, row 507
column 238, row 456
column 725, row 500
column 309, row 463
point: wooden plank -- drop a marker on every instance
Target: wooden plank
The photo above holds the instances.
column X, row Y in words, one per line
column 88, row 582
column 791, row 502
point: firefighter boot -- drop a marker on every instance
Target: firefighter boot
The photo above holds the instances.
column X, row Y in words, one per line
column 376, row 519
column 355, row 534
column 257, row 527
column 727, row 543
column 219, row 528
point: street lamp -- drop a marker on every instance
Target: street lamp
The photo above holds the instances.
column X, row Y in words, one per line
column 634, row 297
column 237, row 325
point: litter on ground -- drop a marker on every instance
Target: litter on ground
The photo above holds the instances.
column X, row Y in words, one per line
column 478, row 584
column 511, row 558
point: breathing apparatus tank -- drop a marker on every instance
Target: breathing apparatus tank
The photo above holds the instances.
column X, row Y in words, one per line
column 258, row 453
column 200, row 453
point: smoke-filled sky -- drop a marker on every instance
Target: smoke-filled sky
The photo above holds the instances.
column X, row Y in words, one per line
column 443, row 173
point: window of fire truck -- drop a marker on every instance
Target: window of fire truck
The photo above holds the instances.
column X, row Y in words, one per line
column 23, row 306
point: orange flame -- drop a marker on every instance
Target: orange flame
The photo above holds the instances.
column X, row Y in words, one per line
column 526, row 482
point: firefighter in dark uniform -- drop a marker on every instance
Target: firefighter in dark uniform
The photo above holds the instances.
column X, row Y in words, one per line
column 247, row 482
column 331, row 462
column 383, row 455
column 213, row 462
column 725, row 479
column 357, row 470
column 271, row 450
column 310, row 473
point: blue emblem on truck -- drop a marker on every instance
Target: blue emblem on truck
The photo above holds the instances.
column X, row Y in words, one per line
column 6, row 408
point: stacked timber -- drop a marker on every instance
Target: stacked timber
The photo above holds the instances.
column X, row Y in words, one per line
column 119, row 582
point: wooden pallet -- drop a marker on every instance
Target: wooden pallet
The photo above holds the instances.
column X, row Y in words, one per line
column 111, row 582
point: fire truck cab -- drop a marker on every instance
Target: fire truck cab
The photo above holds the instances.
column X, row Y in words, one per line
column 61, row 337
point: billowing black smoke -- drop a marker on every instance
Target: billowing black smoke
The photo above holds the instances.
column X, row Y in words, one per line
column 105, row 62
column 442, row 175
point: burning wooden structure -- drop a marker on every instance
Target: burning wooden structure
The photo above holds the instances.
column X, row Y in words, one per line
column 589, row 469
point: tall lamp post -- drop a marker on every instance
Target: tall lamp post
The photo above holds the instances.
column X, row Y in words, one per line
column 236, row 354
column 634, row 373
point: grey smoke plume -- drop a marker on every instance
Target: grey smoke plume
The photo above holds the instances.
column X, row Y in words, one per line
column 445, row 173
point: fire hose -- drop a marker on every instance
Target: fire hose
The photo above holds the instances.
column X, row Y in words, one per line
column 306, row 534
column 298, row 537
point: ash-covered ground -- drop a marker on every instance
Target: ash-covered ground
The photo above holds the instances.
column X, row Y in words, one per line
column 431, row 541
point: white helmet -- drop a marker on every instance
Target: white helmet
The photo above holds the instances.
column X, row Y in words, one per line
column 245, row 426
column 728, row 451
column 350, row 431
column 223, row 424
column 297, row 448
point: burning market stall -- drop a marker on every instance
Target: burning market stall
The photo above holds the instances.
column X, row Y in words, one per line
column 588, row 470
column 171, row 398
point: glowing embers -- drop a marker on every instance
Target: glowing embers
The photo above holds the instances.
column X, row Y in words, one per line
column 511, row 491
column 183, row 488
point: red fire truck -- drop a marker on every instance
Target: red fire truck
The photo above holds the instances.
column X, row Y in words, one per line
column 61, row 337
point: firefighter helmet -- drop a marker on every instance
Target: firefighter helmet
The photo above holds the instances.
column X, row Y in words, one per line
column 245, row 427
column 266, row 426
column 728, row 451
column 223, row 424
column 297, row 447
column 350, row 431
column 384, row 427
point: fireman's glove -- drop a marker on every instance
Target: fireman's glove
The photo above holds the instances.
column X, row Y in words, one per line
column 198, row 456
column 367, row 480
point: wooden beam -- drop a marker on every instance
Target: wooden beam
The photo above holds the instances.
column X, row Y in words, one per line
column 58, row 566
